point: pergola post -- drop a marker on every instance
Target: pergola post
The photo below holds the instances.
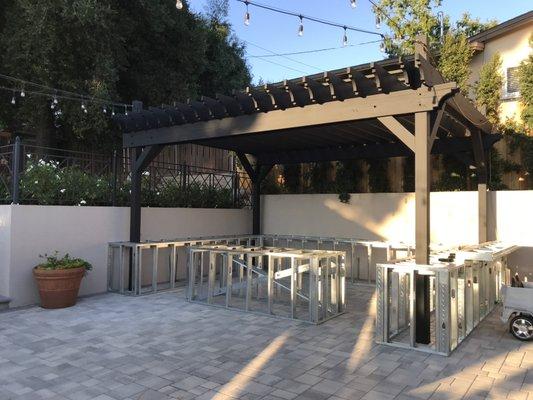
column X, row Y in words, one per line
column 256, row 207
column 422, row 223
column 256, row 172
column 135, row 206
column 422, row 186
column 481, row 169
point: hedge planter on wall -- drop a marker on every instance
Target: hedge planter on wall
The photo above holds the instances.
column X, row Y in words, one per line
column 59, row 279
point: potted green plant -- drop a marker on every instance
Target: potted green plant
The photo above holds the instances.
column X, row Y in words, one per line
column 59, row 280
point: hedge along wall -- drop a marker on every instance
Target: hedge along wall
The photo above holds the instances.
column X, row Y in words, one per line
column 27, row 231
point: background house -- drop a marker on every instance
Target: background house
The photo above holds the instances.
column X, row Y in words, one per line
column 510, row 39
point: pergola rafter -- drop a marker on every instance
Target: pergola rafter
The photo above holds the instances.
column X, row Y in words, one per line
column 391, row 108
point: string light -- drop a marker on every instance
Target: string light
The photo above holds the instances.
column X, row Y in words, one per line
column 307, row 17
column 301, row 27
column 345, row 38
column 104, row 109
column 246, row 15
column 13, row 100
column 440, row 16
column 22, row 93
column 353, row 3
column 113, row 111
column 84, row 108
column 179, row 4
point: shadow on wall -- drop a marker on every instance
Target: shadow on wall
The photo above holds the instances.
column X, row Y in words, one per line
column 521, row 261
column 373, row 216
column 377, row 221
column 367, row 216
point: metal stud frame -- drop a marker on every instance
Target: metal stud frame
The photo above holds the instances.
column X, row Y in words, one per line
column 151, row 266
column 463, row 294
column 302, row 284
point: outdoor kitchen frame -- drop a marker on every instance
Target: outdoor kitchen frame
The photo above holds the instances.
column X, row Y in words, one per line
column 390, row 108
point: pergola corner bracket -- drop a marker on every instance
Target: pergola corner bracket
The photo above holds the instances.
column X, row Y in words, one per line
column 398, row 130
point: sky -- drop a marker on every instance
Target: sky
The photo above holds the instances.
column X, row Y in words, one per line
column 272, row 33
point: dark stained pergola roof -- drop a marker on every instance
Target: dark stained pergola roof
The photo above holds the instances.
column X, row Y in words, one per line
column 389, row 108
column 312, row 103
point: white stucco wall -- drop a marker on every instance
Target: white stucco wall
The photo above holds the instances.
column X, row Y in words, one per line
column 27, row 231
column 391, row 216
column 85, row 231
column 5, row 245
column 377, row 216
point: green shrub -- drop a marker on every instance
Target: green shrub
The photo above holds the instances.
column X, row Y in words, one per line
column 53, row 262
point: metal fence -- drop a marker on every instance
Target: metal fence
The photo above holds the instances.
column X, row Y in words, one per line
column 42, row 175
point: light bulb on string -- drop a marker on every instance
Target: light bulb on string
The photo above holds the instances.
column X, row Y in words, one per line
column 382, row 46
column 246, row 15
column 345, row 38
column 301, row 27
column 55, row 100
column 13, row 99
column 378, row 21
column 84, row 108
column 440, row 16
column 353, row 3
column 113, row 111
column 179, row 4
column 125, row 110
column 22, row 93
column 104, row 109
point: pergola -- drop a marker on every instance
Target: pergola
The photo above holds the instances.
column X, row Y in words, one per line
column 390, row 108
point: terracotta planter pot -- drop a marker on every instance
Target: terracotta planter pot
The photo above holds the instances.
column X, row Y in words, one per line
column 58, row 288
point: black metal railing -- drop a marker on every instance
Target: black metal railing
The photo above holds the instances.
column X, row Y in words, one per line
column 42, row 175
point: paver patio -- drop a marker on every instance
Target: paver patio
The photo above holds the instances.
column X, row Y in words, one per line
column 161, row 347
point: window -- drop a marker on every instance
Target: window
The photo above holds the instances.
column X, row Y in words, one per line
column 512, row 80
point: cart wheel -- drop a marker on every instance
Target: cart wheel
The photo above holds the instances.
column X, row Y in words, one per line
column 522, row 327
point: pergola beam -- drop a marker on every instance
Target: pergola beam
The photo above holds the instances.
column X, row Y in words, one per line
column 380, row 150
column 357, row 108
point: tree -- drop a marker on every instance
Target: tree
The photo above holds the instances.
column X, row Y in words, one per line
column 454, row 60
column 406, row 19
column 525, row 85
column 488, row 88
column 123, row 50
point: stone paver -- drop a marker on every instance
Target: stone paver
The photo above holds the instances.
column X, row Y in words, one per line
column 160, row 347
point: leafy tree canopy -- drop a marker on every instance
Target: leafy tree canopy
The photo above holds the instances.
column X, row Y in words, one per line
column 488, row 88
column 525, row 82
column 122, row 50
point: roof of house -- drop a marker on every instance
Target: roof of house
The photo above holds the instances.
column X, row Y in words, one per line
column 503, row 28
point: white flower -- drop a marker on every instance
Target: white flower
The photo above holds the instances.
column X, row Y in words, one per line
column 454, row 175
column 146, row 173
column 83, row 202
column 63, row 190
column 36, row 182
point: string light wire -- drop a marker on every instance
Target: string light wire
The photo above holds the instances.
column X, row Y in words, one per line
column 54, row 93
column 308, row 17
column 313, row 51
